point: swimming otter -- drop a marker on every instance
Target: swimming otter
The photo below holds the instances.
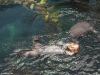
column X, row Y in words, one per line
column 80, row 29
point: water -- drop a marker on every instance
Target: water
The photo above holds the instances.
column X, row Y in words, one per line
column 16, row 31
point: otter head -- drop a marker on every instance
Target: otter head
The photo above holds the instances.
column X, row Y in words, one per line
column 36, row 42
column 36, row 38
column 71, row 48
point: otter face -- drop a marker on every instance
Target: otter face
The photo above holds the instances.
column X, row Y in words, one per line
column 71, row 48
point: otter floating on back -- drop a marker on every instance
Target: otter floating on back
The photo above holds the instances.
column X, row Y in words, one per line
column 39, row 49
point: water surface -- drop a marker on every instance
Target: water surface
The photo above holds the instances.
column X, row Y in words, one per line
column 18, row 25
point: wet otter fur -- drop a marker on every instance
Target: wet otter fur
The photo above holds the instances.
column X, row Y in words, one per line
column 80, row 29
column 39, row 49
column 71, row 48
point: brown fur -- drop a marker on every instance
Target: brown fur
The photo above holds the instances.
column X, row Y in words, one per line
column 80, row 29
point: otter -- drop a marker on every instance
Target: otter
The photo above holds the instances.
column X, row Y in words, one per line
column 68, row 49
column 39, row 49
column 80, row 29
